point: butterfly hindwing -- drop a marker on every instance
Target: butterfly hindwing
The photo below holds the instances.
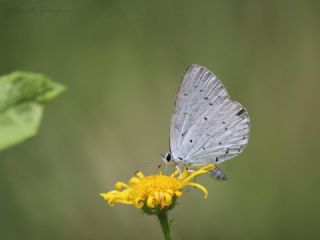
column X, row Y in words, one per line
column 207, row 126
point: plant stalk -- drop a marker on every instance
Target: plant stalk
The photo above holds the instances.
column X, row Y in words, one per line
column 164, row 222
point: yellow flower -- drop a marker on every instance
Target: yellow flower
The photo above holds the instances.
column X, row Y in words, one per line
column 155, row 191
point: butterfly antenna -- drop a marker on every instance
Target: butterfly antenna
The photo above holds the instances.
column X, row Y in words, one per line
column 152, row 164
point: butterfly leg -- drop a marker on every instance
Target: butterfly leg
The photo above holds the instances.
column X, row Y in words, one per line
column 179, row 170
column 190, row 170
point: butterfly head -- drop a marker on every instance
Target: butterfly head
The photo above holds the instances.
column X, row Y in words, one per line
column 167, row 157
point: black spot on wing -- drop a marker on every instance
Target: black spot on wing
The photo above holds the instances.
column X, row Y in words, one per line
column 240, row 112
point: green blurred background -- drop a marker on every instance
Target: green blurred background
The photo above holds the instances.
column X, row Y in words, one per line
column 122, row 62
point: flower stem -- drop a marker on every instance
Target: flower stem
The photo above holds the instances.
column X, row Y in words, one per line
column 163, row 218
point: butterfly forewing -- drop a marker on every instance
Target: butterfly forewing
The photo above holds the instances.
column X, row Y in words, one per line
column 207, row 126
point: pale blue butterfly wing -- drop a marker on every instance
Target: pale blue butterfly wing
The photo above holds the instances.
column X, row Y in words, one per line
column 207, row 126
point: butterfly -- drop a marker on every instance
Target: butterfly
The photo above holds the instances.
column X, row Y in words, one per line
column 207, row 127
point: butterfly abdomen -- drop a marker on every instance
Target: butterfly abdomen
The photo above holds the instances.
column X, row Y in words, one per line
column 218, row 174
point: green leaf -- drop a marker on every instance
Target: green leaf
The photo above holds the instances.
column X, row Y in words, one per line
column 22, row 96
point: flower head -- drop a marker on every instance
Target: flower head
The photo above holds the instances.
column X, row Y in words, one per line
column 155, row 191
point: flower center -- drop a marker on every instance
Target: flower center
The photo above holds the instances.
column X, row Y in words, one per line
column 157, row 183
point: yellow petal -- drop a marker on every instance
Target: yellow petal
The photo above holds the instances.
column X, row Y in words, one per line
column 178, row 193
column 105, row 195
column 202, row 170
column 177, row 172
column 151, row 202
column 138, row 202
column 134, row 180
column 208, row 167
column 123, row 201
column 199, row 186
column 140, row 175
column 167, row 199
column 120, row 185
